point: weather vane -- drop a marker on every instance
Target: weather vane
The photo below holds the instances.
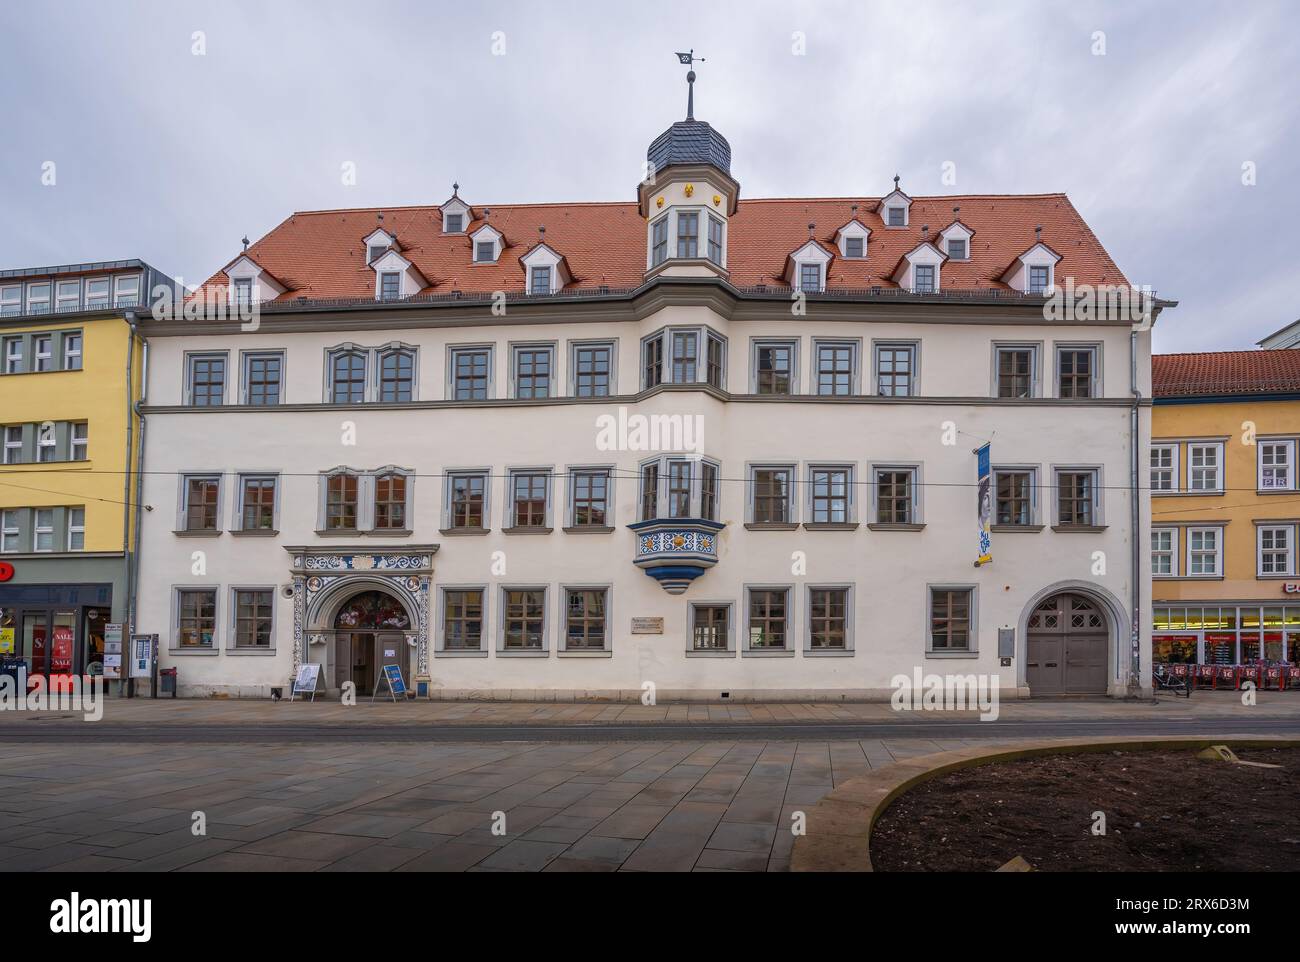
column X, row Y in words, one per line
column 688, row 59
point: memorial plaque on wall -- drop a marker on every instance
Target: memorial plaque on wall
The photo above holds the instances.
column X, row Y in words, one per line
column 647, row 626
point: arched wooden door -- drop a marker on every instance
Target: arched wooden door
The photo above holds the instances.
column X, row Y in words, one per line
column 1067, row 645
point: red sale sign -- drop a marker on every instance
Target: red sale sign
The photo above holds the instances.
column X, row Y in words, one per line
column 61, row 652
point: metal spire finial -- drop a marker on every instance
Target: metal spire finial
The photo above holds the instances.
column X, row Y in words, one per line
column 895, row 182
column 244, row 241
column 688, row 59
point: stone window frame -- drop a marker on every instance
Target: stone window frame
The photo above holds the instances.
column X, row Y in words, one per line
column 850, row 602
column 440, row 649
column 791, row 638
column 181, row 526
column 562, row 615
column 501, row 650
column 730, row 650
column 232, row 630
column 972, row 649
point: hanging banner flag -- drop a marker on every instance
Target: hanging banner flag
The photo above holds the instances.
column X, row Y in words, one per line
column 985, row 506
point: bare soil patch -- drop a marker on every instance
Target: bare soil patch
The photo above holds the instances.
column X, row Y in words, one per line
column 1165, row 811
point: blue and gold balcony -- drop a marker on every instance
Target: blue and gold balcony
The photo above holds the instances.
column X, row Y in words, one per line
column 676, row 551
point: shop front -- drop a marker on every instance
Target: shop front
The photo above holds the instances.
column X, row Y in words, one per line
column 1228, row 643
column 58, row 628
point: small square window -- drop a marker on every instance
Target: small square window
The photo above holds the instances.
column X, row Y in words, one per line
column 897, row 217
column 957, row 248
column 485, row 251
column 462, row 619
column 853, row 247
column 453, row 223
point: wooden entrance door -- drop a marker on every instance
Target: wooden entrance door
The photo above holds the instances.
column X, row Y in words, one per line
column 1067, row 645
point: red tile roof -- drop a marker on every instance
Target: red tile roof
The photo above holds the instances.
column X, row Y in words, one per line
column 1225, row 372
column 319, row 254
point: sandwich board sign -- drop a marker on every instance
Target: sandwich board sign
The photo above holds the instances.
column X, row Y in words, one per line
column 307, row 681
column 392, row 676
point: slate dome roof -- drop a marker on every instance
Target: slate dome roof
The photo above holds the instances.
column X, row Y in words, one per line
column 690, row 142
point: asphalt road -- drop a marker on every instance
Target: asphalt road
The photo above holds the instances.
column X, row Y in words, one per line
column 43, row 730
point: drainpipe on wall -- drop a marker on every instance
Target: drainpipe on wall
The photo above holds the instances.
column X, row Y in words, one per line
column 1135, row 509
column 139, row 479
column 131, row 320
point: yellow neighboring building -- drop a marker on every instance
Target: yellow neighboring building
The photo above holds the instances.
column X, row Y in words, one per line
column 1225, row 508
column 70, row 375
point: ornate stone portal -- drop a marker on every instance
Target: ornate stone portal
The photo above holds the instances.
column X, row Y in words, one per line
column 326, row 576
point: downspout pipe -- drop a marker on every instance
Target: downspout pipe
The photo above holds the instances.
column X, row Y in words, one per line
column 1135, row 521
column 129, row 507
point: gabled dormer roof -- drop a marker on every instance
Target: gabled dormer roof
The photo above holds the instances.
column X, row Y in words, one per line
column 486, row 231
column 245, row 266
column 391, row 260
column 936, row 256
column 542, row 254
column 1038, row 253
column 854, row 228
column 957, row 227
column 455, row 205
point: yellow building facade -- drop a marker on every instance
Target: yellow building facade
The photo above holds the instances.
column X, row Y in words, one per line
column 1226, row 512
column 71, row 370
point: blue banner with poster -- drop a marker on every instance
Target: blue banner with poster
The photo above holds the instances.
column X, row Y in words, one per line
column 985, row 506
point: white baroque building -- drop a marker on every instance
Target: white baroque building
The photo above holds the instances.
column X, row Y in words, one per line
column 723, row 447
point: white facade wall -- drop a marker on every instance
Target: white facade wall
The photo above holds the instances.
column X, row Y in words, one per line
column 889, row 570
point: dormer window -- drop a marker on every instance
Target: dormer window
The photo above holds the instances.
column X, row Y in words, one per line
column 243, row 291
column 810, row 278
column 957, row 248
column 390, row 285
column 539, row 280
column 453, row 223
column 1033, row 272
column 923, row 278
column 1039, row 278
column 484, row 252
column 853, row 247
column 897, row 217
column 376, row 252
column 487, row 242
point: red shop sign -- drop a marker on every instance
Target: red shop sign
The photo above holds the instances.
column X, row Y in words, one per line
column 6, row 571
column 61, row 656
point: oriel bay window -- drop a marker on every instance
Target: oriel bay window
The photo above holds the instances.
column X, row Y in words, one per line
column 467, row 501
column 529, row 497
column 771, row 498
column 196, row 618
column 585, row 627
column 523, row 622
column 951, row 619
column 254, row 613
column 682, row 348
column 768, row 619
column 589, row 498
column 678, row 487
column 659, row 241
column 688, row 234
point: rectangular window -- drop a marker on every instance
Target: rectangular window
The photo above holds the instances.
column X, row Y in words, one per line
column 126, row 291
column 895, row 495
column 853, row 247
column 390, row 502
column 207, row 378
column 11, row 300
column 44, row 351
column 253, row 609
column 584, row 623
column 44, row 529
column 923, row 278
column 679, row 489
column 76, row 529
column 589, row 491
column 263, row 374
column 1276, row 465
column 1014, row 493
column 835, row 365
column 1075, row 370
column 533, row 372
column 348, row 376
column 768, row 618
column 1015, row 371
column 98, row 292
column 652, row 360
column 685, row 356
column 1076, row 498
column 375, row 252
column 1164, row 551
column 257, row 503
column 897, row 217
column 80, row 440
column 1038, row 278
column 895, row 370
column 13, row 444
column 592, row 365
column 528, row 490
column 715, row 239
column 13, row 355
column 484, row 251
column 659, row 242
column 650, row 491
column 45, row 441
column 72, row 352
column 709, row 624
column 957, row 248
column 8, row 531
column 38, row 298
column 1277, row 550
column 688, row 234
column 1203, row 466
column 774, row 368
column 708, row 491
column 950, row 619
column 452, row 223
column 67, row 296
column 1164, row 467
column 470, row 369
column 202, row 503
column 462, row 622
column 810, row 278
column 390, row 285
column 715, row 348
column 468, row 499
column 243, row 291
column 541, row 280
column 830, row 495
column 196, row 620
column 772, row 495
column 341, row 501
column 1203, row 551
column 828, row 619
column 525, row 619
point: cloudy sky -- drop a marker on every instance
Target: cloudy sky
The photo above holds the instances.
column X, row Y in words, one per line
column 176, row 127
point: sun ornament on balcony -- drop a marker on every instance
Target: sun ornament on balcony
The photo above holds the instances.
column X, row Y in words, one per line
column 676, row 551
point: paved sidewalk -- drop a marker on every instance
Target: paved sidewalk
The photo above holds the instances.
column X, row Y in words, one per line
column 224, row 712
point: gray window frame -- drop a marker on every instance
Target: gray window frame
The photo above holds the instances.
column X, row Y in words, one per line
column 246, row 359
column 502, row 600
column 232, row 631
column 849, row 607
column 756, row 346
column 913, row 348
column 454, row 351
column 448, row 507
column 855, row 362
column 729, row 622
column 747, row 649
column 191, row 357
column 441, row 648
column 972, row 642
